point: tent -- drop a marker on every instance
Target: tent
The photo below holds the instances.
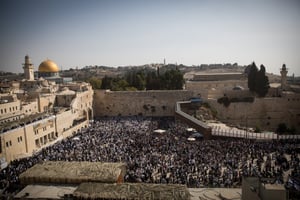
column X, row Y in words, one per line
column 159, row 131
column 191, row 139
column 75, row 138
column 190, row 129
column 197, row 135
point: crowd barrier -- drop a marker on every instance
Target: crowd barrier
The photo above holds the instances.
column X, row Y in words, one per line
column 216, row 131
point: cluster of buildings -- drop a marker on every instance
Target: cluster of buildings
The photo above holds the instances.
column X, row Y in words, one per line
column 40, row 110
column 44, row 107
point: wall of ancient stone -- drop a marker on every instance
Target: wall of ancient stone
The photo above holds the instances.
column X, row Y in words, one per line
column 265, row 113
column 146, row 103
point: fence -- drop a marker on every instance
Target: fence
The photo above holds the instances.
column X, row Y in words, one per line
column 217, row 131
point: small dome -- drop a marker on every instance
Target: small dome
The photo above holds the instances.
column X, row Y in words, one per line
column 48, row 66
column 238, row 87
column 283, row 67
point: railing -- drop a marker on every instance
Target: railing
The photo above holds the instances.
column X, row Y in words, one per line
column 188, row 117
column 217, row 131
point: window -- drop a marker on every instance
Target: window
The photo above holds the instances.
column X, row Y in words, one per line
column 37, row 142
column 36, row 131
column 44, row 128
column 7, row 144
column 20, row 139
column 10, row 143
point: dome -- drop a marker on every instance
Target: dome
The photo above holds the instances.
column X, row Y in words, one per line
column 48, row 66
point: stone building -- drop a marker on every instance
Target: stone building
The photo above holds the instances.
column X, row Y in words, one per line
column 41, row 111
column 210, row 85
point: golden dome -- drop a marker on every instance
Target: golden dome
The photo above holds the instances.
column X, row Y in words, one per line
column 48, row 66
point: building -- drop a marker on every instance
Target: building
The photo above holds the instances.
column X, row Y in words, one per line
column 28, row 69
column 210, row 85
column 48, row 70
column 255, row 189
column 40, row 112
column 91, row 180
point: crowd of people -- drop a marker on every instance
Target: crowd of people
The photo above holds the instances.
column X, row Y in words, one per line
column 166, row 157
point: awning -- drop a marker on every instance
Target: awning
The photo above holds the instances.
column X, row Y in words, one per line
column 197, row 135
column 191, row 139
column 159, row 131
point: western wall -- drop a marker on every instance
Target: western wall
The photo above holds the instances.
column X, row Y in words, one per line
column 263, row 113
column 146, row 103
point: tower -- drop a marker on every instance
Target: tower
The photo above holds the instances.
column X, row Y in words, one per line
column 28, row 69
column 283, row 72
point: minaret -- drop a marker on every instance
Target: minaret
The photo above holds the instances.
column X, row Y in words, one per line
column 28, row 69
column 283, row 72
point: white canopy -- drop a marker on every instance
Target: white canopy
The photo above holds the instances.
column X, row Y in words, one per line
column 191, row 139
column 159, row 131
column 190, row 129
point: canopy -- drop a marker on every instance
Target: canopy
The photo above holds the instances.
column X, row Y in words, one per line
column 197, row 135
column 190, row 129
column 191, row 139
column 75, row 138
column 159, row 131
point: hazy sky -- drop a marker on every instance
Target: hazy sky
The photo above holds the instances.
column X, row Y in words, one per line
column 120, row 32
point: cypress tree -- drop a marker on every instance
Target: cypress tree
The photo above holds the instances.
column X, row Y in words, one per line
column 252, row 77
column 262, row 82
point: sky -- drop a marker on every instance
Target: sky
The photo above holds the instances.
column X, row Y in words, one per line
column 115, row 33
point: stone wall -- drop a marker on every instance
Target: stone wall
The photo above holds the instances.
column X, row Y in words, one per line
column 265, row 113
column 146, row 103
column 212, row 89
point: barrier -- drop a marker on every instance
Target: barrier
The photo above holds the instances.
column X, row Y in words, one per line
column 216, row 131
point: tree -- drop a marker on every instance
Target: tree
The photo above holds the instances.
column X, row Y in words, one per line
column 119, row 84
column 172, row 80
column 95, row 82
column 262, row 82
column 152, row 81
column 252, row 77
column 282, row 128
column 258, row 82
column 106, row 82
column 136, row 79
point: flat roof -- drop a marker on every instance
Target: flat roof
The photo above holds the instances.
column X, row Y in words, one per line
column 218, row 73
column 45, row 192
column 269, row 186
column 58, row 191
column 62, row 172
column 132, row 191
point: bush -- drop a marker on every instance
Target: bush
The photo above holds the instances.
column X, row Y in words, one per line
column 224, row 100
